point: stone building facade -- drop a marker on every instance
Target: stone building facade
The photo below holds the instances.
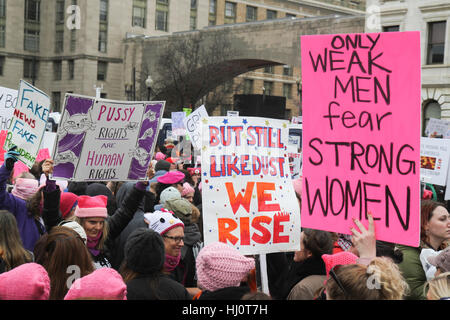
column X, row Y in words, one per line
column 77, row 45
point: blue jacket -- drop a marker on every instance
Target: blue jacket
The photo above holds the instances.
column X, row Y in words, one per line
column 26, row 223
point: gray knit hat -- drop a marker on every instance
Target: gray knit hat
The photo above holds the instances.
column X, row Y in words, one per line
column 144, row 251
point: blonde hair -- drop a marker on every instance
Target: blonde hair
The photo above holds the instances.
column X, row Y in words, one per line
column 380, row 280
column 105, row 231
column 439, row 287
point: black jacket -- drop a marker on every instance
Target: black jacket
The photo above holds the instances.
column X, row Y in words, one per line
column 159, row 288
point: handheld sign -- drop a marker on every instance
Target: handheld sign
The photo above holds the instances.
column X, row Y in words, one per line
column 28, row 122
column 101, row 139
column 434, row 158
column 361, row 127
column 8, row 100
column 193, row 126
column 248, row 196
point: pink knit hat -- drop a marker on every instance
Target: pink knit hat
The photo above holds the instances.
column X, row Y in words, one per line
column 298, row 186
column 160, row 156
column 172, row 177
column 25, row 188
column 343, row 258
column 28, row 281
column 187, row 189
column 90, row 207
column 68, row 201
column 220, row 265
column 103, row 283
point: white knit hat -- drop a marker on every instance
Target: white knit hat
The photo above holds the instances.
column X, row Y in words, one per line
column 162, row 221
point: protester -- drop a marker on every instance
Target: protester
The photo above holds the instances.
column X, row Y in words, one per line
column 185, row 271
column 188, row 192
column 23, row 201
column 29, row 281
column 67, row 205
column 102, row 284
column 142, row 269
column 12, row 252
column 380, row 280
column 435, row 231
column 438, row 288
column 170, row 179
column 172, row 230
column 222, row 272
column 170, row 193
column 63, row 254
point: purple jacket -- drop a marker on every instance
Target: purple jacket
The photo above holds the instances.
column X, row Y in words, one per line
column 18, row 207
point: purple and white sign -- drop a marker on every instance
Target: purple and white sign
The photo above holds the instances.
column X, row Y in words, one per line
column 100, row 139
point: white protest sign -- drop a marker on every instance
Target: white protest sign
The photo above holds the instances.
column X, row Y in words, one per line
column 438, row 127
column 434, row 159
column 192, row 123
column 102, row 139
column 28, row 122
column 232, row 113
column 8, row 99
column 247, row 189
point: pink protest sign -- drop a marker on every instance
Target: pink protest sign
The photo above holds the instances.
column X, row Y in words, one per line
column 361, row 133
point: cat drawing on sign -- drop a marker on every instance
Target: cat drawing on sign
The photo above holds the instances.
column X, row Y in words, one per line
column 141, row 155
column 66, row 156
column 147, row 133
column 75, row 124
column 150, row 115
column 132, row 126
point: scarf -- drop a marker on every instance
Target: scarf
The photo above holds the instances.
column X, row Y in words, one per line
column 92, row 243
column 171, row 262
column 25, row 188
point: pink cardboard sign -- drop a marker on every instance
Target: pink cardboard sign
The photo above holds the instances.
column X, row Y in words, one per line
column 361, row 133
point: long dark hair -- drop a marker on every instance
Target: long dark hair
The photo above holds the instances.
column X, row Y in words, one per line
column 14, row 254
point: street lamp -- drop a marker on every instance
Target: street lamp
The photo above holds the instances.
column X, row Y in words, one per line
column 148, row 84
column 299, row 94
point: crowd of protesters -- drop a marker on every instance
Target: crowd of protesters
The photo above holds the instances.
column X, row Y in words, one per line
column 144, row 241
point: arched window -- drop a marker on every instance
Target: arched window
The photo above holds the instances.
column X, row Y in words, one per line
column 432, row 109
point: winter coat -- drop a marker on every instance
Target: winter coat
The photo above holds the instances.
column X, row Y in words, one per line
column 140, row 288
column 412, row 270
column 283, row 276
column 30, row 229
column 229, row 293
column 185, row 272
column 307, row 288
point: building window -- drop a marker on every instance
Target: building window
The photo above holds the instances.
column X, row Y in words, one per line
column 103, row 28
column 212, row 12
column 193, row 17
column 139, row 13
column 268, row 69
column 2, row 8
column 391, row 28
column 287, row 71
column 431, row 110
column 251, row 14
column 291, row 15
column 268, row 88
column 436, row 42
column 287, row 90
column 73, row 40
column 59, row 12
column 230, row 12
column 31, row 40
column 56, row 101
column 248, row 86
column 59, row 41
column 2, row 35
column 30, row 68
column 162, row 15
column 2, row 65
column 71, row 67
column 271, row 14
column 102, row 66
column 32, row 10
column 57, row 70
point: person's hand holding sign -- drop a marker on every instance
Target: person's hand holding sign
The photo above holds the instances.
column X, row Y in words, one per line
column 364, row 239
column 47, row 167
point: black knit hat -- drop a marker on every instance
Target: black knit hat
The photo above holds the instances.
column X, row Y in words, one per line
column 144, row 251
